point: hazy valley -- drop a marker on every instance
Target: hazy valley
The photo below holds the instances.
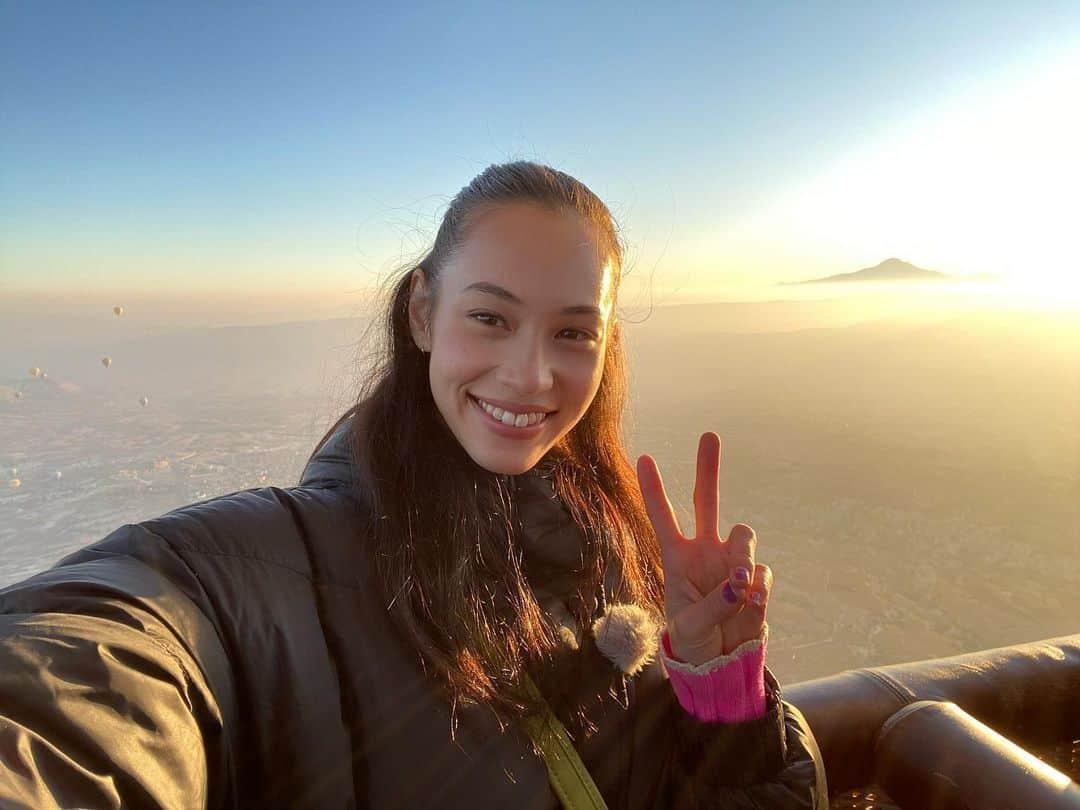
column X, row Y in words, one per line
column 914, row 481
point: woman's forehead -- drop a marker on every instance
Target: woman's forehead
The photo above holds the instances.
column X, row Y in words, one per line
column 543, row 258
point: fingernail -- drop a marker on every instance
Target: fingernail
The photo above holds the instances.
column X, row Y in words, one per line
column 742, row 576
column 757, row 598
column 729, row 594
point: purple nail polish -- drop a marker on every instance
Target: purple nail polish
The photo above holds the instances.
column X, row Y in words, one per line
column 729, row 594
column 742, row 575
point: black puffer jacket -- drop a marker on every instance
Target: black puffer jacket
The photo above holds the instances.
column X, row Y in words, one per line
column 233, row 653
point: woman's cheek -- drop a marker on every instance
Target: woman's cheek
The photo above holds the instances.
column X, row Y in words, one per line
column 590, row 369
column 462, row 349
column 582, row 375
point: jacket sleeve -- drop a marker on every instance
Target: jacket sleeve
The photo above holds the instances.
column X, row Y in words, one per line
column 111, row 683
column 770, row 762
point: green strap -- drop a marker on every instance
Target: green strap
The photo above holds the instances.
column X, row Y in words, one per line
column 569, row 777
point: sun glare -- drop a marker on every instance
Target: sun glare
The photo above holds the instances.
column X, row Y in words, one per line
column 984, row 186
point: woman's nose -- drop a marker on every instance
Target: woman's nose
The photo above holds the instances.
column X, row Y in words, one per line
column 526, row 368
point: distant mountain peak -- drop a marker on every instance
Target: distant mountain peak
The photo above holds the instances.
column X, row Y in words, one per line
column 892, row 269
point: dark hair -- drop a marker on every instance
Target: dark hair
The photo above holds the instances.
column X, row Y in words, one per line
column 442, row 537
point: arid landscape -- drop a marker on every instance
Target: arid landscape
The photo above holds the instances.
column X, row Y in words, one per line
column 914, row 481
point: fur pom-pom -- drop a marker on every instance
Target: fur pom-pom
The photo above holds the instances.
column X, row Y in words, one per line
column 627, row 636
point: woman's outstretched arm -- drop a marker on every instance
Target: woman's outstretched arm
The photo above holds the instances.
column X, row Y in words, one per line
column 114, row 688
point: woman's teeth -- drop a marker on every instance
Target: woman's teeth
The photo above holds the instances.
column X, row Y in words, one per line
column 512, row 419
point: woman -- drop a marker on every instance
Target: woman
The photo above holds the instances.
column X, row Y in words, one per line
column 467, row 575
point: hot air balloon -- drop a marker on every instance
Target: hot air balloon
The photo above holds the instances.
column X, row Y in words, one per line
column 118, row 310
column 44, row 375
column 35, row 372
column 14, row 483
column 58, row 475
column 18, row 395
column 13, row 472
column 144, row 401
column 106, row 361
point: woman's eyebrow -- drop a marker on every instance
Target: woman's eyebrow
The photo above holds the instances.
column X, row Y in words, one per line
column 506, row 295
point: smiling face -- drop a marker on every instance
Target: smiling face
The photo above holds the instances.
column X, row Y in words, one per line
column 518, row 333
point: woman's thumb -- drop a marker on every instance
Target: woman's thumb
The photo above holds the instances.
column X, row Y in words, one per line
column 698, row 622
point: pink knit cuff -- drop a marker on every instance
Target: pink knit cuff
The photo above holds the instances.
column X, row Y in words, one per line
column 728, row 689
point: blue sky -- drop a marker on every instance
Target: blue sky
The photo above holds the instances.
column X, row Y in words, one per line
column 299, row 147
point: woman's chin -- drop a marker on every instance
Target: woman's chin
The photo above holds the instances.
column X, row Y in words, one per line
column 507, row 469
column 505, row 464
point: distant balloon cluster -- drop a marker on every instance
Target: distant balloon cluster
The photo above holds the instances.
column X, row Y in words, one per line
column 37, row 373
column 15, row 482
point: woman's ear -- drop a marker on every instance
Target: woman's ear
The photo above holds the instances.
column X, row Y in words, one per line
column 419, row 310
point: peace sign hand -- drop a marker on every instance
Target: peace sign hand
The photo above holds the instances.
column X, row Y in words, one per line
column 715, row 596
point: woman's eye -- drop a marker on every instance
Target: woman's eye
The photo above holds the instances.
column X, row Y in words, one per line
column 486, row 318
column 491, row 319
column 577, row 335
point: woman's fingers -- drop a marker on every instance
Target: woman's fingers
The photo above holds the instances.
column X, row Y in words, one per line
column 697, row 628
column 697, row 625
column 762, row 587
column 657, row 505
column 741, row 548
column 707, row 486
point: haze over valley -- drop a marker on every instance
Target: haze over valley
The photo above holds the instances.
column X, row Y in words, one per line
column 912, row 470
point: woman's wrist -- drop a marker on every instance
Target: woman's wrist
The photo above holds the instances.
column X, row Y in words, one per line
column 728, row 689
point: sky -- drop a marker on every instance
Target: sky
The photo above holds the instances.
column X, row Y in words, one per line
column 277, row 161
